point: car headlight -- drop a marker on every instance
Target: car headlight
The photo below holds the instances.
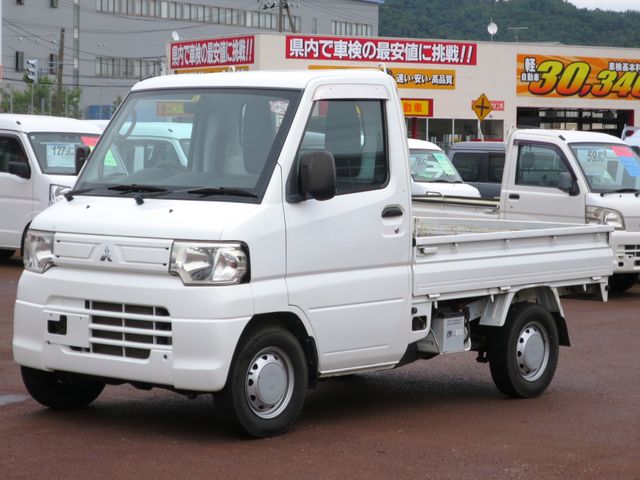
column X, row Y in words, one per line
column 38, row 251
column 207, row 263
column 604, row 216
column 56, row 193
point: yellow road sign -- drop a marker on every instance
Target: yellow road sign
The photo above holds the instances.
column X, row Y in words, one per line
column 482, row 106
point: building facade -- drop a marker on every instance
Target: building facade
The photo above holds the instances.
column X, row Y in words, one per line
column 110, row 44
column 452, row 90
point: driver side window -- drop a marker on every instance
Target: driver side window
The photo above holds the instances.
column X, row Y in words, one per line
column 353, row 131
column 539, row 166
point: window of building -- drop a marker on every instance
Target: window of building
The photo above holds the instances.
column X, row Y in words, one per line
column 53, row 3
column 53, row 63
column 19, row 61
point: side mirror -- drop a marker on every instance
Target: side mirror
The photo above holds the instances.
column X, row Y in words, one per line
column 21, row 169
column 566, row 183
column 318, row 175
column 82, row 152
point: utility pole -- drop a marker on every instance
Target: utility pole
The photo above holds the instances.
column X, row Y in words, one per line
column 280, row 2
column 59, row 74
column 286, row 6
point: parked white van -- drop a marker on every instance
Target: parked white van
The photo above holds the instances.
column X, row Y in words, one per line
column 432, row 173
column 37, row 166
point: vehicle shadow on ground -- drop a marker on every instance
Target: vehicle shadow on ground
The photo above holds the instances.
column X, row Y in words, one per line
column 354, row 398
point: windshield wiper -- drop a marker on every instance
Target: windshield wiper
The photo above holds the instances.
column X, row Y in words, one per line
column 622, row 190
column 133, row 187
column 140, row 189
column 207, row 191
column 70, row 194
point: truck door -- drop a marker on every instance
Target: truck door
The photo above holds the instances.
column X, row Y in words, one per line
column 534, row 188
column 348, row 258
column 16, row 192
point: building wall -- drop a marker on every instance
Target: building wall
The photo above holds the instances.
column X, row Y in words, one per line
column 495, row 72
column 122, row 41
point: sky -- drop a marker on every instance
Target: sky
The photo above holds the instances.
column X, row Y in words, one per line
column 617, row 5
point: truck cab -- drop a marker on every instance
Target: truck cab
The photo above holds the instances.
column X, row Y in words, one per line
column 36, row 167
column 577, row 177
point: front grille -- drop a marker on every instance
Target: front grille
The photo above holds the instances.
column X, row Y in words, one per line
column 129, row 331
column 634, row 252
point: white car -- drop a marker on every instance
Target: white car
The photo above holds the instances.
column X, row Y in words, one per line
column 432, row 173
column 37, row 166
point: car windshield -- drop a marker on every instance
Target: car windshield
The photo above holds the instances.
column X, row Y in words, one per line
column 608, row 167
column 179, row 142
column 432, row 166
column 56, row 152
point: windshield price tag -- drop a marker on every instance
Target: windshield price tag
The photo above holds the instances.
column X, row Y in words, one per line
column 444, row 162
column 61, row 154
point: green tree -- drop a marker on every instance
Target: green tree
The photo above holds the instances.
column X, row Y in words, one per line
column 38, row 98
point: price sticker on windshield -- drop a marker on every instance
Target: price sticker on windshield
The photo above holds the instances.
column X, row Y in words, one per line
column 444, row 162
column 61, row 154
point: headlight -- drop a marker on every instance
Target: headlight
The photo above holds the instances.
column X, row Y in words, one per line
column 56, row 193
column 604, row 216
column 38, row 251
column 205, row 263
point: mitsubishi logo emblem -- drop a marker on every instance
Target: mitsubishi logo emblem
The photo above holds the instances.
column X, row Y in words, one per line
column 106, row 256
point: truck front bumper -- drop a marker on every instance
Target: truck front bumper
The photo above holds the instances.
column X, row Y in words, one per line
column 129, row 327
column 626, row 251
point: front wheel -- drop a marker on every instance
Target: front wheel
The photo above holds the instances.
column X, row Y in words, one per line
column 4, row 254
column 523, row 354
column 621, row 282
column 267, row 384
column 60, row 390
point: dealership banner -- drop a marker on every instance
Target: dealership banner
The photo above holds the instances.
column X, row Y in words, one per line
column 212, row 52
column 580, row 77
column 417, row 107
column 424, row 79
column 305, row 47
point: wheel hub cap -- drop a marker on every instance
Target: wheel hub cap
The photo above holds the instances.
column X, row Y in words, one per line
column 269, row 383
column 532, row 353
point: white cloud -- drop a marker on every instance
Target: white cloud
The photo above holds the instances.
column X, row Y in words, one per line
column 617, row 5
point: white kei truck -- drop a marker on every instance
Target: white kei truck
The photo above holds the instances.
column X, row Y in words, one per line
column 37, row 166
column 262, row 266
column 566, row 176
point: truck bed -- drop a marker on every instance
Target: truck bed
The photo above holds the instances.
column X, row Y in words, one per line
column 454, row 258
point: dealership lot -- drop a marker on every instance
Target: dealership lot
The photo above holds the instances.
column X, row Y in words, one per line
column 441, row 419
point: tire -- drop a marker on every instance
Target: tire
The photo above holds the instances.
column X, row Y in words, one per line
column 266, row 385
column 523, row 354
column 60, row 390
column 4, row 254
column 621, row 282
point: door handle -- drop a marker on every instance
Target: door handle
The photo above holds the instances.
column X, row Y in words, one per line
column 514, row 196
column 393, row 211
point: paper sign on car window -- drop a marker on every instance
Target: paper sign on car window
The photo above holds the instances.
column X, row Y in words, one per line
column 444, row 162
column 61, row 154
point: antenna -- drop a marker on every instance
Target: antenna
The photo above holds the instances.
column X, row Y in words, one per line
column 515, row 30
column 492, row 28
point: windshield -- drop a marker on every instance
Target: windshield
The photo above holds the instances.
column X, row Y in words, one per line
column 608, row 167
column 173, row 142
column 432, row 166
column 56, row 152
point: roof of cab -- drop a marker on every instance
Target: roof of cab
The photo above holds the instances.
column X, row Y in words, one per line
column 414, row 143
column 44, row 123
column 478, row 146
column 572, row 136
column 295, row 79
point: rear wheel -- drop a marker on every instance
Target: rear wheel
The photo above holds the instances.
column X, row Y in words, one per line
column 60, row 390
column 267, row 384
column 621, row 282
column 523, row 354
